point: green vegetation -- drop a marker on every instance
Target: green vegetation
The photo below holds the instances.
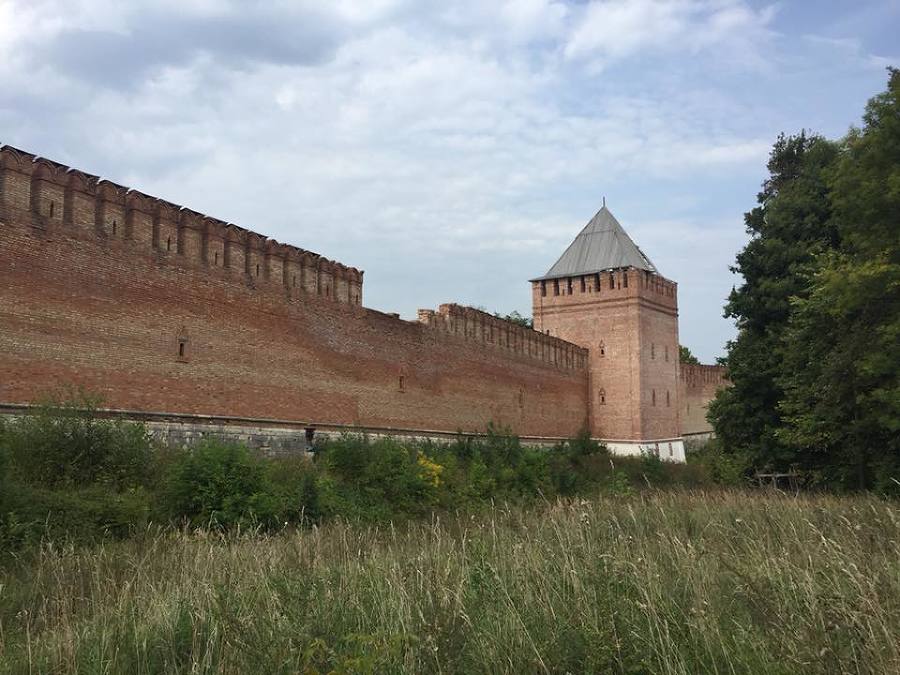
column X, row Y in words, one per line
column 661, row 583
column 815, row 365
column 512, row 317
column 516, row 318
column 67, row 474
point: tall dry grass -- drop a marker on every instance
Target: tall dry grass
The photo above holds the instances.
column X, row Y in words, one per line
column 664, row 583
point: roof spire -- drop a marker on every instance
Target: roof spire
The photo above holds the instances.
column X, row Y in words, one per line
column 602, row 245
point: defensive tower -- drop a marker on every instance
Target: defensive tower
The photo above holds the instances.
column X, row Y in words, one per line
column 605, row 295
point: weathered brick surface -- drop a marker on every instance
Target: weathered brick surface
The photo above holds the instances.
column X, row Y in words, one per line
column 157, row 308
column 628, row 320
column 164, row 310
column 698, row 385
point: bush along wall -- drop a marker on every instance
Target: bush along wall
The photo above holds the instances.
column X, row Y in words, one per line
column 67, row 473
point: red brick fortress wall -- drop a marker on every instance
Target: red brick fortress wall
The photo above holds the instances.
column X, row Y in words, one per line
column 698, row 385
column 158, row 308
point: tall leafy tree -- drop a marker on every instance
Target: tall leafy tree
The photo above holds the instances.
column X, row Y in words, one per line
column 841, row 375
column 789, row 228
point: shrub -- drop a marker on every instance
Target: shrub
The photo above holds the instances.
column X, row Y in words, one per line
column 585, row 446
column 34, row 513
column 379, row 478
column 295, row 484
column 2, row 447
column 619, row 483
column 63, row 443
column 220, row 485
column 722, row 468
column 653, row 470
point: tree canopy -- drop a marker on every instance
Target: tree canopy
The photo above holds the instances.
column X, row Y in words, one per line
column 815, row 363
column 686, row 356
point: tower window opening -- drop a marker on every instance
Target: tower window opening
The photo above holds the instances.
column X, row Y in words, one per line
column 583, row 285
column 169, row 243
column 652, row 350
column 667, row 352
column 402, row 383
column 257, row 269
column 602, row 396
column 52, row 208
column 569, row 286
column 182, row 347
column 653, row 396
column 216, row 259
column 602, row 349
column 670, row 449
column 597, row 282
column 625, row 279
column 612, row 281
column 114, row 226
column 294, row 280
column 667, row 398
column 556, row 287
column 543, row 289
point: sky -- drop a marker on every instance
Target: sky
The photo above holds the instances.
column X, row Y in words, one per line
column 452, row 150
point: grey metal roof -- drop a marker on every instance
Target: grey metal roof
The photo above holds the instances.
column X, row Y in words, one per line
column 602, row 245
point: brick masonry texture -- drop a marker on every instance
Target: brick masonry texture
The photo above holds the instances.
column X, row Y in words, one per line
column 158, row 308
column 697, row 387
column 628, row 320
column 162, row 310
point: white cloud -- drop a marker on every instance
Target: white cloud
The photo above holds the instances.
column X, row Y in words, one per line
column 610, row 30
column 853, row 50
column 454, row 137
column 533, row 19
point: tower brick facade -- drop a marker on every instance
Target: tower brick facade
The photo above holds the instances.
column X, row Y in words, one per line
column 606, row 296
column 627, row 319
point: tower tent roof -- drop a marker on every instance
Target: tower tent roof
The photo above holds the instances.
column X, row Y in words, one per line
column 602, row 245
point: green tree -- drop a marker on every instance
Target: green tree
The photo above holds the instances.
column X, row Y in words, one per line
column 64, row 442
column 686, row 356
column 218, row 484
column 841, row 378
column 516, row 318
column 790, row 226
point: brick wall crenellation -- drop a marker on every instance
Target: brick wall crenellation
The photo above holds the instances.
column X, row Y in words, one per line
column 481, row 327
column 158, row 308
column 621, row 284
column 47, row 194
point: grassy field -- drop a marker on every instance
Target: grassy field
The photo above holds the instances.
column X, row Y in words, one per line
column 720, row 582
